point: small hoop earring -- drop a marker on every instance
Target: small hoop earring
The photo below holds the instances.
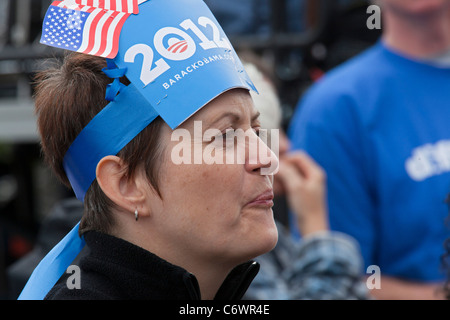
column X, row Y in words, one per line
column 136, row 214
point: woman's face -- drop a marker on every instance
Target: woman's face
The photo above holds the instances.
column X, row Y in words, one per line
column 216, row 210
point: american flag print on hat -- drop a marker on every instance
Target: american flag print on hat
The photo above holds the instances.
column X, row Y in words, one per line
column 87, row 26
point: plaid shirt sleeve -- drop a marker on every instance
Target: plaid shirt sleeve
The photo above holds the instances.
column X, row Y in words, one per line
column 323, row 266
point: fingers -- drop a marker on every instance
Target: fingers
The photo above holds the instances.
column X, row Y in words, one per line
column 303, row 180
column 306, row 165
column 290, row 176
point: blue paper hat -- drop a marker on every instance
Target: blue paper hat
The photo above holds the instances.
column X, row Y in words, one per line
column 177, row 58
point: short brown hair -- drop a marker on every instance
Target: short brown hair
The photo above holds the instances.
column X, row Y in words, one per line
column 67, row 96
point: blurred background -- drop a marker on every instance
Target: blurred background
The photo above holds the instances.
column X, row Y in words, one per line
column 302, row 39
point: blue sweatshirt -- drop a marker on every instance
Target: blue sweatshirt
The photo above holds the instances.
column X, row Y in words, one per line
column 380, row 127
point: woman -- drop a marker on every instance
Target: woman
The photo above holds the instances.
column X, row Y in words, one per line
column 157, row 228
column 205, row 219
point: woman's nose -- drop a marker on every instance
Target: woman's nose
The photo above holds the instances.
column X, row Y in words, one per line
column 261, row 158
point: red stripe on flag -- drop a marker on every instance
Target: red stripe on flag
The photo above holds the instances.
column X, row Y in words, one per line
column 124, row 6
column 115, row 49
column 101, row 3
column 116, row 37
column 92, row 30
column 113, row 5
column 104, row 33
column 135, row 7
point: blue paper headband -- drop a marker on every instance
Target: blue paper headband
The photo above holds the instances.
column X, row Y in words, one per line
column 177, row 58
column 107, row 133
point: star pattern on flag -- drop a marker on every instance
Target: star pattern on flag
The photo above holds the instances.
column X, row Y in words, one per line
column 64, row 28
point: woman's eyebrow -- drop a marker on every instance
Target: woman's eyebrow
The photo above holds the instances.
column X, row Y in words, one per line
column 234, row 117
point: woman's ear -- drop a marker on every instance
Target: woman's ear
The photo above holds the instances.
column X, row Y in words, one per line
column 127, row 193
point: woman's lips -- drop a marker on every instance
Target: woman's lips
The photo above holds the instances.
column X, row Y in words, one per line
column 265, row 199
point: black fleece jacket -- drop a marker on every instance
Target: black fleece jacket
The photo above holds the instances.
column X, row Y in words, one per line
column 115, row 269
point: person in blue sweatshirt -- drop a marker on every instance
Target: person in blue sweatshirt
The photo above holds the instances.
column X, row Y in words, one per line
column 379, row 126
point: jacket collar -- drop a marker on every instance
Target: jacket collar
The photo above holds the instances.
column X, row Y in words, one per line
column 139, row 274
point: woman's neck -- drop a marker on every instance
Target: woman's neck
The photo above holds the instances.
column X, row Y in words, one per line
column 210, row 275
column 209, row 272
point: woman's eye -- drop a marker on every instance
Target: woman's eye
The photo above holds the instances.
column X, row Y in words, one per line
column 228, row 138
column 220, row 140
